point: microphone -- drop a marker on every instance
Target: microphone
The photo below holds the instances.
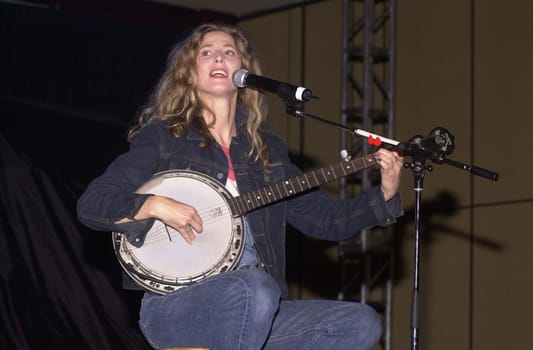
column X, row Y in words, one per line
column 290, row 93
column 439, row 141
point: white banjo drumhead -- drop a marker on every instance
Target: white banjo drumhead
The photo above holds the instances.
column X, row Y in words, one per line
column 165, row 255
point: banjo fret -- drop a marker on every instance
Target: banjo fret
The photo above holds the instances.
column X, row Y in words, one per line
column 249, row 201
column 279, row 191
column 265, row 196
column 289, row 187
column 316, row 183
column 268, row 194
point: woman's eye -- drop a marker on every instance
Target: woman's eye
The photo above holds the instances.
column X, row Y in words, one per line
column 230, row 53
column 205, row 53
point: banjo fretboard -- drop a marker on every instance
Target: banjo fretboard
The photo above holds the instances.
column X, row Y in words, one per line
column 286, row 188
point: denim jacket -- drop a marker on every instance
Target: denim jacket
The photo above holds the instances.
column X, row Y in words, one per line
column 111, row 196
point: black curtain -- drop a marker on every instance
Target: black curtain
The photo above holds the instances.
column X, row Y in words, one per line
column 72, row 79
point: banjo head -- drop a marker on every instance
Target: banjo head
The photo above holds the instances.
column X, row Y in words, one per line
column 165, row 262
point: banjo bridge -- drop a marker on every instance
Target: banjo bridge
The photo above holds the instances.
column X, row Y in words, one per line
column 215, row 213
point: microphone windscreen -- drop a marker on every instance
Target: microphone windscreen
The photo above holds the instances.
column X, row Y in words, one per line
column 239, row 78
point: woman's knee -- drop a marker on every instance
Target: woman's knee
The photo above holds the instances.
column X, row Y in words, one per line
column 263, row 291
column 370, row 325
column 357, row 325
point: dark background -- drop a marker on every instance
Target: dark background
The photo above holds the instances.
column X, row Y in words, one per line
column 72, row 77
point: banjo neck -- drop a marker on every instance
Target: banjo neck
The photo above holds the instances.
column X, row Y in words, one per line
column 247, row 202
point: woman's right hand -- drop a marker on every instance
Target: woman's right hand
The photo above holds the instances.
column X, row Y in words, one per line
column 180, row 216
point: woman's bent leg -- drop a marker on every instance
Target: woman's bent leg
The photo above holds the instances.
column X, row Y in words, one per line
column 322, row 324
column 232, row 310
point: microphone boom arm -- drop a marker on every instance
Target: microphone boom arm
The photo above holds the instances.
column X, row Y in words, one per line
column 412, row 148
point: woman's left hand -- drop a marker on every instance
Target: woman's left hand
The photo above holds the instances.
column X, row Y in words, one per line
column 391, row 164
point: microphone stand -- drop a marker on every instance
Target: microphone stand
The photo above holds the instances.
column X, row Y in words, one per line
column 421, row 150
column 418, row 167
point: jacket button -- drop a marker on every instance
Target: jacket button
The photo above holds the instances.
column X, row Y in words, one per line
column 220, row 176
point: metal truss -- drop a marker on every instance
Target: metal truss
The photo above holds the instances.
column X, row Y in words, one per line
column 367, row 102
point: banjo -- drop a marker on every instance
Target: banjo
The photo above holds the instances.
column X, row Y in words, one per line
column 165, row 262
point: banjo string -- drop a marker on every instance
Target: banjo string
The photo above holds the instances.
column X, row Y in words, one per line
column 209, row 215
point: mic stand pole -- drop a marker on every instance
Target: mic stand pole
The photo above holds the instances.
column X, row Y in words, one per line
column 419, row 168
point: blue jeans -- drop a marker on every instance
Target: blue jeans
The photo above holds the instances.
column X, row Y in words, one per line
column 241, row 310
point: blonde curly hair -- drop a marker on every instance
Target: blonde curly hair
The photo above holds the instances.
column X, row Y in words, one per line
column 175, row 99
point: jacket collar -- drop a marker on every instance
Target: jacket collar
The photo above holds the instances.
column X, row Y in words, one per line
column 193, row 134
